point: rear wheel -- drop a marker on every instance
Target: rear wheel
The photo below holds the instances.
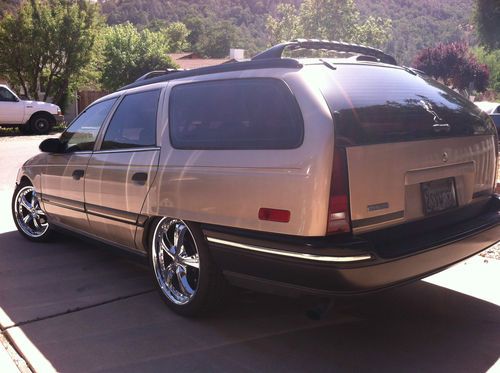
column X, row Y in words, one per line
column 41, row 124
column 185, row 275
column 29, row 217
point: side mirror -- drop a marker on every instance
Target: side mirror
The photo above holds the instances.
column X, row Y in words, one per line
column 51, row 146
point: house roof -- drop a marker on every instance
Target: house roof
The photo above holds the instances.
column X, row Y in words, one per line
column 189, row 61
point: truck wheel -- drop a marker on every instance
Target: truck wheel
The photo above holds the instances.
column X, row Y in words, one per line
column 41, row 123
column 25, row 129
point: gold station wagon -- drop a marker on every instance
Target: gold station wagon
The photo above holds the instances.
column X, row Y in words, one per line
column 318, row 176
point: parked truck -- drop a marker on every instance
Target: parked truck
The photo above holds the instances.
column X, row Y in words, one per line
column 29, row 116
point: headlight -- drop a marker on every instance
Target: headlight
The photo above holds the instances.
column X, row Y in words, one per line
column 59, row 112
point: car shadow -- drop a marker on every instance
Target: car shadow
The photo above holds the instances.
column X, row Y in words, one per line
column 89, row 308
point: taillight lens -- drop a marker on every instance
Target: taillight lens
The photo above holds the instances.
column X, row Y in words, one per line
column 339, row 220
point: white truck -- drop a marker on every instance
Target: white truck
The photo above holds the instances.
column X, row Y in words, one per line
column 29, row 116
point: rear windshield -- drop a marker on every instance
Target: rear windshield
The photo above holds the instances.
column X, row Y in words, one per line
column 376, row 104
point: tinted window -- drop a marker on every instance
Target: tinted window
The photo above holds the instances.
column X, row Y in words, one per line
column 134, row 122
column 235, row 114
column 373, row 104
column 6, row 95
column 81, row 134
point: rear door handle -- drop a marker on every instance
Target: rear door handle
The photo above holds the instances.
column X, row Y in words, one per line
column 140, row 177
column 77, row 174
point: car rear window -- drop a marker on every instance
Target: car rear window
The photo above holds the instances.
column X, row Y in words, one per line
column 255, row 113
column 376, row 104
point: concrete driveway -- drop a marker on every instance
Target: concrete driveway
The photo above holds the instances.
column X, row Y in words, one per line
column 71, row 306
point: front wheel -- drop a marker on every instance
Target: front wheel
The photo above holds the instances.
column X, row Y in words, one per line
column 29, row 217
column 185, row 275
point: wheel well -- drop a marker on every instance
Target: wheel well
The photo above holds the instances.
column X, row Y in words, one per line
column 148, row 225
column 25, row 179
column 46, row 114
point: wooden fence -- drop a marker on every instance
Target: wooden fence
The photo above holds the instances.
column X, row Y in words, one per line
column 85, row 98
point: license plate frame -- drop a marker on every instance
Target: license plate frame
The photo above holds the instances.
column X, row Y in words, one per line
column 439, row 195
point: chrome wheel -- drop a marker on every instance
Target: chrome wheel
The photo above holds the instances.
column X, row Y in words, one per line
column 175, row 260
column 30, row 217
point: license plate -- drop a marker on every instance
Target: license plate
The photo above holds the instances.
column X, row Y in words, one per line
column 439, row 195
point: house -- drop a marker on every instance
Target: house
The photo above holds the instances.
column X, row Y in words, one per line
column 191, row 60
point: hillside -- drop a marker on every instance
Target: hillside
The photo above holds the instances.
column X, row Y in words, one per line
column 416, row 24
column 421, row 24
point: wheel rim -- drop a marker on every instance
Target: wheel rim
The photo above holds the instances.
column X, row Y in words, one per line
column 41, row 124
column 29, row 215
column 175, row 260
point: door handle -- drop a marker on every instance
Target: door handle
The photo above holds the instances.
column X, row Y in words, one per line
column 77, row 174
column 140, row 177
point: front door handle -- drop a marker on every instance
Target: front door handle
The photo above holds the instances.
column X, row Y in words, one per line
column 140, row 177
column 78, row 174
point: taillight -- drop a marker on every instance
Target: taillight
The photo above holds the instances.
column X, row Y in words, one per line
column 339, row 220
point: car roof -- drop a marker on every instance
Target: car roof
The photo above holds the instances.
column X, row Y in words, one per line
column 488, row 107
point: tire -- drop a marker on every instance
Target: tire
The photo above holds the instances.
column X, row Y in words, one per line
column 25, row 129
column 28, row 216
column 41, row 124
column 184, row 273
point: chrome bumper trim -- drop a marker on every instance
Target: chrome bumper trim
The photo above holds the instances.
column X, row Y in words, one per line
column 313, row 257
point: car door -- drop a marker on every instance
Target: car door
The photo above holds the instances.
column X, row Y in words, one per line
column 11, row 108
column 120, row 172
column 63, row 177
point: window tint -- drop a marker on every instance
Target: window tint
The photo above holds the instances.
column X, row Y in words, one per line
column 235, row 114
column 81, row 134
column 6, row 95
column 134, row 122
column 374, row 104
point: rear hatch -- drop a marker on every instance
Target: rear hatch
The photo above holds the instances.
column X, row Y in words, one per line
column 415, row 149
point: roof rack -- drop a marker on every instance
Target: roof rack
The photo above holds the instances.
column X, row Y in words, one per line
column 155, row 73
column 314, row 44
column 286, row 63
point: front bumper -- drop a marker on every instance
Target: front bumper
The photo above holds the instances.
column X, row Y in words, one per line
column 350, row 264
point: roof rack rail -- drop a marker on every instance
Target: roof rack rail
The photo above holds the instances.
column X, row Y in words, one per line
column 286, row 63
column 314, row 44
column 155, row 73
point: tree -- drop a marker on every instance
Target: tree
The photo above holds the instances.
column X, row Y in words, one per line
column 487, row 19
column 128, row 53
column 47, row 44
column 327, row 19
column 455, row 65
column 217, row 39
column 492, row 60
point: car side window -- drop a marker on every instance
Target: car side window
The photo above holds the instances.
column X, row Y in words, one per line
column 255, row 113
column 82, row 133
column 6, row 95
column 134, row 122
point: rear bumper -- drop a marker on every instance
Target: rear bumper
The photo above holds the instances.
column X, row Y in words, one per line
column 59, row 118
column 348, row 265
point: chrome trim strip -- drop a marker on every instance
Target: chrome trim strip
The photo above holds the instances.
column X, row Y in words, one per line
column 127, row 150
column 63, row 202
column 110, row 213
column 317, row 258
column 378, row 219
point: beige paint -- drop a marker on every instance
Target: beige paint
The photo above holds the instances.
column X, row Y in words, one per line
column 392, row 173
column 227, row 187
column 108, row 184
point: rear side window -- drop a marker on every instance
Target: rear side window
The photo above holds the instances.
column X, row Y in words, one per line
column 134, row 122
column 235, row 114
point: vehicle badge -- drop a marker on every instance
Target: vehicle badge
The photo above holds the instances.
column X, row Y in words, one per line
column 445, row 157
column 439, row 125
